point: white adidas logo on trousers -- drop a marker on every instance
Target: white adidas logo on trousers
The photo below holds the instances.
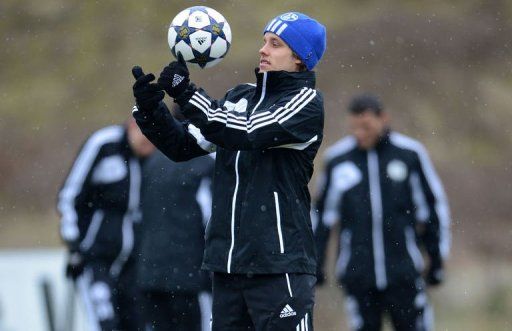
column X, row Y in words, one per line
column 287, row 312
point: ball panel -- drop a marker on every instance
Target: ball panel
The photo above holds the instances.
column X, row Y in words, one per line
column 201, row 58
column 215, row 15
column 219, row 48
column 216, row 30
column 183, row 33
column 185, row 50
column 198, row 19
column 171, row 37
column 201, row 40
column 227, row 32
column 198, row 8
column 181, row 17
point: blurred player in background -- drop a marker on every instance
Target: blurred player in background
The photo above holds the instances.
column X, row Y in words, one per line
column 382, row 188
column 259, row 242
column 99, row 205
column 176, row 206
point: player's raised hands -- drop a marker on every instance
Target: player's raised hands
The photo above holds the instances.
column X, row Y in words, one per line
column 147, row 94
column 174, row 78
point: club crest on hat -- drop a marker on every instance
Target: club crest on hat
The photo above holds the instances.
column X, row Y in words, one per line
column 289, row 17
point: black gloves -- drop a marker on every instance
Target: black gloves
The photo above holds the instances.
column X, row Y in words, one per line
column 435, row 272
column 174, row 79
column 75, row 265
column 147, row 95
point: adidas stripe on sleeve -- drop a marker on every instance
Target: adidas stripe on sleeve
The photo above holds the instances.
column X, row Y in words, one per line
column 290, row 123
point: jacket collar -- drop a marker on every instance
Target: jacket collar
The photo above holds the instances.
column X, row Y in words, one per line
column 276, row 81
column 383, row 140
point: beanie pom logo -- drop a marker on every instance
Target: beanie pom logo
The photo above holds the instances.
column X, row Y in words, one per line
column 289, row 17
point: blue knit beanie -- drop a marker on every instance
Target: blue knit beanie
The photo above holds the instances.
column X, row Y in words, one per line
column 304, row 35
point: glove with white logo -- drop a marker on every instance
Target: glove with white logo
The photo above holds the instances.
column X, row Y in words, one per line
column 174, row 78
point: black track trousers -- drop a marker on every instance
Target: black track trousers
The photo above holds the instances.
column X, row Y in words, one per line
column 263, row 302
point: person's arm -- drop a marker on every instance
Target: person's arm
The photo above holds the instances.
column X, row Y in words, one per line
column 296, row 120
column 433, row 211
column 178, row 141
column 72, row 196
column 72, row 199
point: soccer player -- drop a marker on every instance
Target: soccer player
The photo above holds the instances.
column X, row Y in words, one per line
column 382, row 188
column 259, row 241
column 99, row 204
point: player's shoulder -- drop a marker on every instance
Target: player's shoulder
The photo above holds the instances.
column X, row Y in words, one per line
column 108, row 134
column 303, row 98
column 242, row 88
column 340, row 148
column 405, row 142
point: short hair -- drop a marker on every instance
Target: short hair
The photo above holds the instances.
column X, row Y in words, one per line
column 302, row 66
column 365, row 102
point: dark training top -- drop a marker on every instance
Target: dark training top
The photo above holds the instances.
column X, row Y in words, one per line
column 379, row 195
column 99, row 201
column 176, row 205
column 266, row 136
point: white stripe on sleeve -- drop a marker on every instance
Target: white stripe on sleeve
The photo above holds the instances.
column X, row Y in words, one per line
column 75, row 181
column 255, row 121
column 441, row 203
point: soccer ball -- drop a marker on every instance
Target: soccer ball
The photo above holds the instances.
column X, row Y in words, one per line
column 201, row 34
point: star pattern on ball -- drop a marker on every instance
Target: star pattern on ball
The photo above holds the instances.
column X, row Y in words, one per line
column 201, row 35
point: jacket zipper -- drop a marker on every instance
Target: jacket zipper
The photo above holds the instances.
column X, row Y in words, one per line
column 377, row 231
column 233, row 204
column 233, row 208
column 278, row 221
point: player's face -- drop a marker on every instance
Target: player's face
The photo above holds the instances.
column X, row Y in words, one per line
column 275, row 55
column 140, row 145
column 368, row 127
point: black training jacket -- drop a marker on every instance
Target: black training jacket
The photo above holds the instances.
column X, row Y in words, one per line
column 99, row 201
column 266, row 136
column 380, row 195
column 176, row 205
